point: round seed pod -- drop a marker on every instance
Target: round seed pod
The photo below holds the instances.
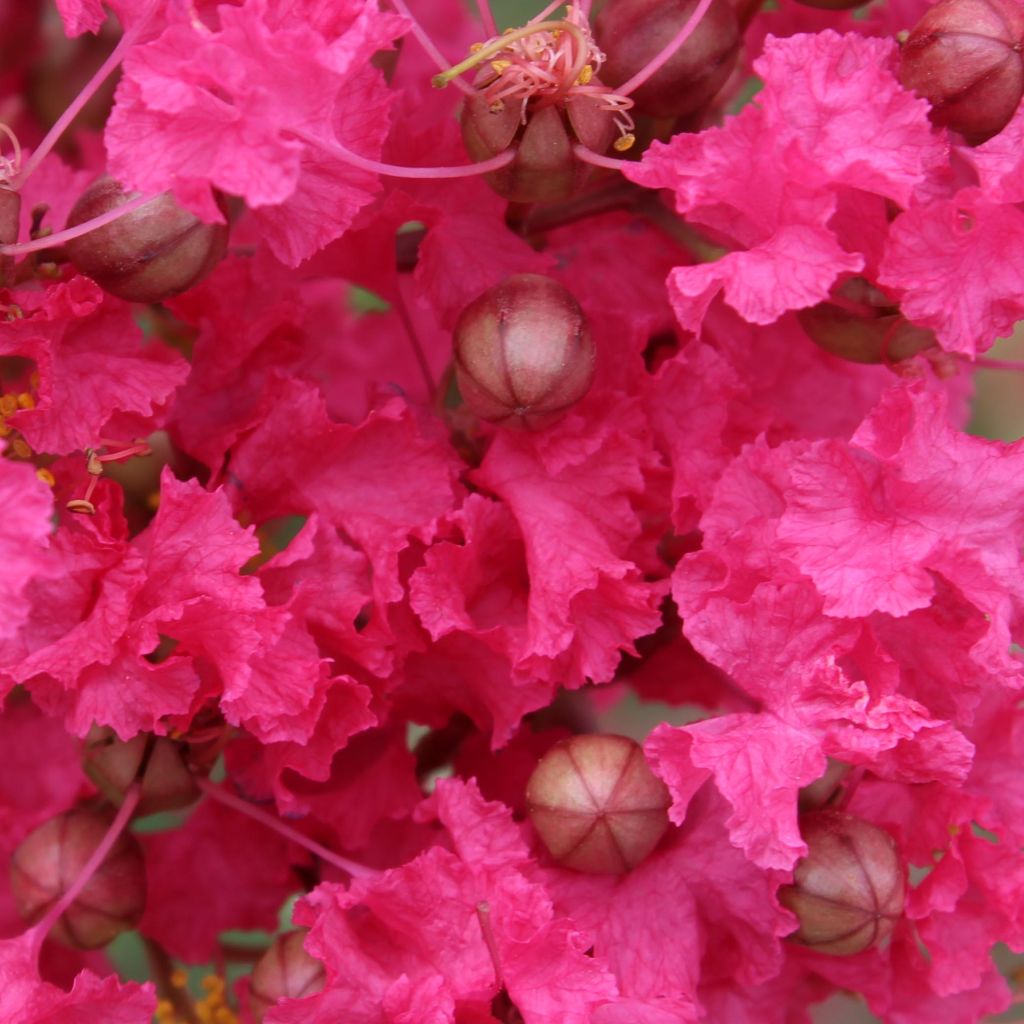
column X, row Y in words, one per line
column 153, row 253
column 285, row 971
column 964, row 58
column 596, row 805
column 633, row 32
column 113, row 765
column 49, row 860
column 849, row 891
column 523, row 352
column 545, row 169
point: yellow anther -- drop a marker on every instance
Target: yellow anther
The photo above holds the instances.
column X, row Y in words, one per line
column 585, row 75
column 93, row 465
column 5, row 431
column 81, row 506
column 20, row 448
column 26, row 401
column 225, row 1016
column 8, row 404
column 47, row 477
column 624, row 142
column 497, row 107
column 179, row 979
column 213, row 983
column 500, row 65
column 476, row 47
column 164, row 1011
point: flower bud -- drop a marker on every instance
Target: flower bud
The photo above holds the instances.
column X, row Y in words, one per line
column 545, row 168
column 633, row 32
column 849, row 890
column 596, row 805
column 285, row 971
column 148, row 255
column 523, row 352
column 864, row 338
column 114, row 764
column 51, row 858
column 964, row 58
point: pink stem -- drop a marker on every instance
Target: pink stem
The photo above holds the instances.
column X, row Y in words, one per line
column 984, row 363
column 588, row 156
column 99, row 855
column 666, row 54
column 414, row 340
column 395, row 171
column 544, row 14
column 350, row 867
column 427, row 43
column 487, row 18
column 62, row 122
column 50, row 241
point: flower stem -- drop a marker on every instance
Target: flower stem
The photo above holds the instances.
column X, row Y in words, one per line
column 350, row 867
column 99, row 855
column 666, row 53
column 51, row 241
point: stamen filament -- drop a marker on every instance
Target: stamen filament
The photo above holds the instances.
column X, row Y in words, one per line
column 425, row 41
column 396, row 171
column 50, row 241
column 590, row 157
column 350, row 867
column 495, row 46
column 985, row 363
column 104, row 71
column 487, row 18
column 667, row 52
column 99, row 855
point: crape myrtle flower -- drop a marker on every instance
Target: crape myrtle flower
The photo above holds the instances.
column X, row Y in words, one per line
column 356, row 606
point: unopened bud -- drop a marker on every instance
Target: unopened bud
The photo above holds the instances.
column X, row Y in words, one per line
column 870, row 337
column 596, row 805
column 633, row 32
column 964, row 58
column 523, row 352
column 148, row 255
column 114, row 764
column 285, row 971
column 52, row 857
column 848, row 892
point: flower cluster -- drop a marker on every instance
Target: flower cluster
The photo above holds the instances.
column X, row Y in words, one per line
column 386, row 398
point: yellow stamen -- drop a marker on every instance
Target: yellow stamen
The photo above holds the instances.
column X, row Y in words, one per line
column 81, row 506
column 21, row 449
column 8, row 405
column 624, row 142
column 501, row 65
column 585, row 75
column 476, row 47
column 26, row 401
column 47, row 477
column 5, row 431
column 179, row 979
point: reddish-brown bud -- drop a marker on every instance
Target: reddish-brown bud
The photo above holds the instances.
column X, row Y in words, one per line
column 148, row 255
column 633, row 32
column 113, row 765
column 285, row 971
column 849, row 890
column 523, row 352
column 864, row 338
column 964, row 58
column 51, row 858
column 545, row 169
column 596, row 805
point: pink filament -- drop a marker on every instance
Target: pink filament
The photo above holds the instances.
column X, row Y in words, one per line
column 350, row 867
column 486, row 17
column 395, row 171
column 427, row 43
column 50, row 241
column 666, row 54
column 99, row 855
column 588, row 156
